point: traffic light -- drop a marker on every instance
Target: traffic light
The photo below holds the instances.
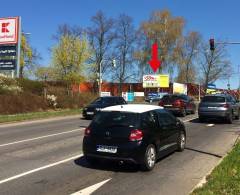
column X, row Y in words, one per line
column 212, row 46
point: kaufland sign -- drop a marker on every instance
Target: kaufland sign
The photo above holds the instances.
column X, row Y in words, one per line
column 8, row 31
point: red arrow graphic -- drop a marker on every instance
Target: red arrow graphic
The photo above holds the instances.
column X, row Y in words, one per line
column 154, row 62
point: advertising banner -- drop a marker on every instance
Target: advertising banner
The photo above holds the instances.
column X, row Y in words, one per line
column 8, row 30
column 155, row 81
column 7, row 64
column 8, row 50
column 180, row 88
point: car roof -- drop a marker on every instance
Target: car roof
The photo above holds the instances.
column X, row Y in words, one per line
column 105, row 97
column 135, row 108
column 218, row 95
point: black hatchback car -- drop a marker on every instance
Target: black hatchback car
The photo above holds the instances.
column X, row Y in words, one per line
column 100, row 103
column 133, row 133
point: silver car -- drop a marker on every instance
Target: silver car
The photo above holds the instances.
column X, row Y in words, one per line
column 219, row 106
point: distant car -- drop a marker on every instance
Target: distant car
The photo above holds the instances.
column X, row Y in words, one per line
column 100, row 103
column 178, row 104
column 219, row 106
column 133, row 133
column 154, row 97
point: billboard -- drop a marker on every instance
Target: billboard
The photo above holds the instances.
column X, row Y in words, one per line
column 180, row 88
column 7, row 64
column 8, row 31
column 155, row 81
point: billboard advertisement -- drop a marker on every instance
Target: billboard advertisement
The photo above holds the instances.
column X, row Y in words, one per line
column 155, row 81
column 8, row 31
column 179, row 88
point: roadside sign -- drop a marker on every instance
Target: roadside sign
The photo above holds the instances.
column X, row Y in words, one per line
column 154, row 81
column 180, row 88
column 8, row 30
column 7, row 64
column 8, row 50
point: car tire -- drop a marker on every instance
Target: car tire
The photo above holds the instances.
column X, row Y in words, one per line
column 181, row 142
column 238, row 115
column 150, row 157
column 183, row 112
column 201, row 119
column 229, row 118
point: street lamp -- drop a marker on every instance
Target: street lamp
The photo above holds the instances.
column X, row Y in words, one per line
column 100, row 74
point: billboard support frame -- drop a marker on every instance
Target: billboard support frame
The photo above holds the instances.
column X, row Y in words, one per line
column 19, row 45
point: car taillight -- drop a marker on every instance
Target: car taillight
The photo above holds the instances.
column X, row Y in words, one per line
column 161, row 103
column 136, row 135
column 177, row 103
column 226, row 105
column 87, row 131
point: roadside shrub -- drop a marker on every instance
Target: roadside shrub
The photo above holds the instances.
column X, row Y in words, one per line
column 30, row 86
column 21, row 103
column 75, row 101
column 9, row 86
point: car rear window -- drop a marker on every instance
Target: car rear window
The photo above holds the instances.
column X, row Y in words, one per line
column 115, row 118
column 172, row 97
column 213, row 99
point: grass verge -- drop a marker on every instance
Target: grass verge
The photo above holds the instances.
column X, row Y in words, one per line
column 38, row 115
column 225, row 178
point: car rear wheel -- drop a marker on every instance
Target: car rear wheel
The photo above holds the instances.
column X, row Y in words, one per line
column 201, row 119
column 149, row 158
column 230, row 118
column 181, row 141
column 238, row 114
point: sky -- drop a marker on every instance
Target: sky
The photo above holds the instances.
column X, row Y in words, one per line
column 212, row 18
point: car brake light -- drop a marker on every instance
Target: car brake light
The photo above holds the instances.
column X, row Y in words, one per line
column 226, row 105
column 177, row 103
column 161, row 103
column 87, row 131
column 136, row 135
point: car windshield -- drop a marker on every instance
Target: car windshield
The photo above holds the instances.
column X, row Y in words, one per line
column 218, row 99
column 115, row 118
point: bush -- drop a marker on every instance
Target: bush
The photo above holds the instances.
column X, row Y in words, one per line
column 30, row 86
column 75, row 101
column 22, row 103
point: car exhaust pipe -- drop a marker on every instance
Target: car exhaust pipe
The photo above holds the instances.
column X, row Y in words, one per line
column 120, row 162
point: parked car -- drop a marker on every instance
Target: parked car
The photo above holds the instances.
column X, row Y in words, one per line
column 219, row 106
column 154, row 97
column 133, row 133
column 100, row 103
column 178, row 104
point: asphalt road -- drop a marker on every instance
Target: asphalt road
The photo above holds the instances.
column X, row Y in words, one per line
column 46, row 158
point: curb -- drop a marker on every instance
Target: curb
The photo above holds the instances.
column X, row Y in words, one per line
column 204, row 180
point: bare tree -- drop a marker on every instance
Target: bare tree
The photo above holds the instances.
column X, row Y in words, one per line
column 67, row 30
column 125, row 41
column 214, row 64
column 186, row 54
column 164, row 29
column 101, row 36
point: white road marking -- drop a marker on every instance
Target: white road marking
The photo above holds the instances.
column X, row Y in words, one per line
column 91, row 189
column 41, row 137
column 210, row 125
column 40, row 168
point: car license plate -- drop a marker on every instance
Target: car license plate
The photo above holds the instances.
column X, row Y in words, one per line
column 108, row 149
column 212, row 107
column 90, row 113
column 168, row 105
